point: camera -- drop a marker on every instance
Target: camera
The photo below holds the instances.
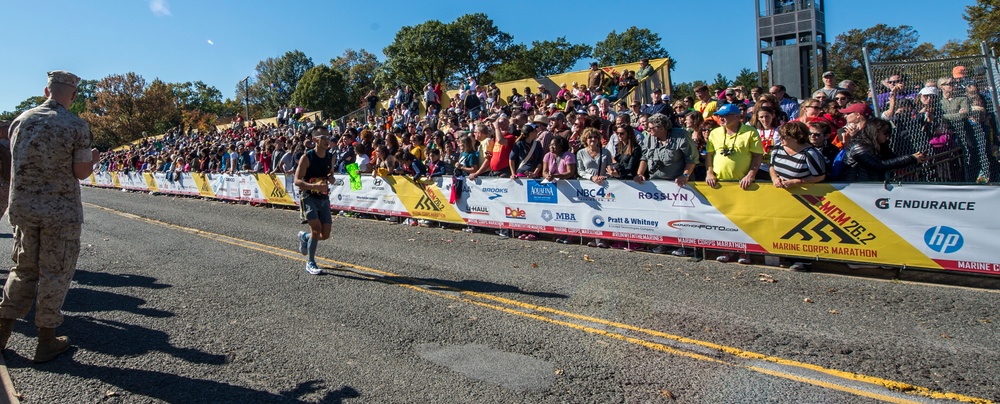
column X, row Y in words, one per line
column 726, row 152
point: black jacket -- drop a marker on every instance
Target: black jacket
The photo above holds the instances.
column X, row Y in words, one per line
column 862, row 164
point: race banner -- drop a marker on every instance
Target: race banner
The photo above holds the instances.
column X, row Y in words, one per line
column 926, row 226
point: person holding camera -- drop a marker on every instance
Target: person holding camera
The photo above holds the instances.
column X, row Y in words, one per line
column 733, row 153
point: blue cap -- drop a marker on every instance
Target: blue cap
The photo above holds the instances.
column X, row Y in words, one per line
column 728, row 109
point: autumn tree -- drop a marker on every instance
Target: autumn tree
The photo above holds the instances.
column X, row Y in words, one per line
column 483, row 46
column 427, row 52
column 125, row 107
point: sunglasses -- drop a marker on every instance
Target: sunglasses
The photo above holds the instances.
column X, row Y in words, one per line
column 893, row 81
column 815, row 134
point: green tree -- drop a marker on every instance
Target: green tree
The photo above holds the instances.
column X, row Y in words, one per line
column 629, row 47
column 359, row 69
column 484, row 46
column 25, row 105
column 276, row 79
column 428, row 52
column 159, row 107
column 747, row 78
column 720, row 83
column 682, row 90
column 84, row 94
column 197, row 96
column 323, row 89
column 542, row 59
column 984, row 23
column 884, row 43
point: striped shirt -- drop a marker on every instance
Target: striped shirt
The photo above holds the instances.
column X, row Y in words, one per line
column 806, row 163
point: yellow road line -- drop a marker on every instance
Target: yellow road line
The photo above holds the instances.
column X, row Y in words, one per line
column 891, row 385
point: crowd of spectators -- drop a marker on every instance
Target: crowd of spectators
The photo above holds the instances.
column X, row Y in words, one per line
column 594, row 132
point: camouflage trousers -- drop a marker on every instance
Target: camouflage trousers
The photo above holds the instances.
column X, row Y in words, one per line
column 4, row 196
column 46, row 259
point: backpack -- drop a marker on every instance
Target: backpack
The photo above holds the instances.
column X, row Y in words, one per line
column 838, row 164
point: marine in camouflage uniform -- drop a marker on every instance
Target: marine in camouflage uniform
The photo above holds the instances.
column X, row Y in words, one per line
column 4, row 166
column 50, row 152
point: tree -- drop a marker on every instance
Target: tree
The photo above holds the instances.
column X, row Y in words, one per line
column 720, row 83
column 629, row 47
column 197, row 96
column 484, row 46
column 25, row 105
column 682, row 90
column 884, row 43
column 359, row 69
column 125, row 108
column 984, row 23
column 276, row 79
column 323, row 89
column 542, row 59
column 747, row 79
column 84, row 94
column 428, row 52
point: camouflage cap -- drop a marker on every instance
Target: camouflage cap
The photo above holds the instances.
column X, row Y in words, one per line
column 63, row 77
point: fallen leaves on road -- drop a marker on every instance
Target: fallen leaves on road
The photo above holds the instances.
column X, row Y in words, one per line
column 534, row 265
column 111, row 393
column 985, row 321
column 668, row 394
column 411, row 239
column 559, row 372
column 587, row 258
column 766, row 278
column 807, row 300
column 834, row 312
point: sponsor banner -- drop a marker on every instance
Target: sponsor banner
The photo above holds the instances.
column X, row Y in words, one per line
column 203, row 184
column 103, row 179
column 273, row 188
column 423, row 200
column 926, row 226
column 182, row 185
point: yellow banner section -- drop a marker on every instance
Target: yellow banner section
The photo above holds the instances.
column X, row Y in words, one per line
column 204, row 187
column 423, row 201
column 114, row 180
column 93, row 181
column 150, row 182
column 273, row 189
column 816, row 221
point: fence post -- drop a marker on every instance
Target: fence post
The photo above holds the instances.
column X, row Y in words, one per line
column 871, row 81
column 990, row 68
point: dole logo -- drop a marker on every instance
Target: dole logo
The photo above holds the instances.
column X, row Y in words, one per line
column 515, row 213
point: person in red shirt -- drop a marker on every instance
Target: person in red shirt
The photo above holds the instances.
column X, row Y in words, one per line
column 499, row 163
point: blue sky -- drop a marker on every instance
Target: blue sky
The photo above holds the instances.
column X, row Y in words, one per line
column 168, row 39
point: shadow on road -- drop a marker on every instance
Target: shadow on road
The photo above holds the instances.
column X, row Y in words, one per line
column 89, row 278
column 179, row 389
column 443, row 284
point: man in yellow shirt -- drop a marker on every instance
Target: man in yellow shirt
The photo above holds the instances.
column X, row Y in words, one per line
column 734, row 150
column 705, row 104
column 734, row 154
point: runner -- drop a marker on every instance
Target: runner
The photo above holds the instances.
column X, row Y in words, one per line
column 313, row 177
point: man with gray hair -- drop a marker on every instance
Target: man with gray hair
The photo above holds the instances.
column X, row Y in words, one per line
column 51, row 150
column 668, row 153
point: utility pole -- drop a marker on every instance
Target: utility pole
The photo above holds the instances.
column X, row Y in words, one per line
column 246, row 95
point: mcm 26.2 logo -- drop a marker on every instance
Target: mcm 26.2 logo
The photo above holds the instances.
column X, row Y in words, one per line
column 429, row 201
column 828, row 222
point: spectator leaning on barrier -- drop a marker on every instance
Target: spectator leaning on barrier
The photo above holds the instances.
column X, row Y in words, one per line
column 668, row 153
column 796, row 162
column 734, row 154
column 868, row 157
column 526, row 156
column 592, row 164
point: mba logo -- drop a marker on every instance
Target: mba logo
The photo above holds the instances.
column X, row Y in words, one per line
column 943, row 239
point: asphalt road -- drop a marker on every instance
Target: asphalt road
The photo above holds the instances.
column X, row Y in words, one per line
column 186, row 300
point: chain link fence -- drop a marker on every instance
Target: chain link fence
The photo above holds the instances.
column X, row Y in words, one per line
column 944, row 108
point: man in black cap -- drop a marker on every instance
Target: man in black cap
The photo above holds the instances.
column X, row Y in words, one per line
column 51, row 150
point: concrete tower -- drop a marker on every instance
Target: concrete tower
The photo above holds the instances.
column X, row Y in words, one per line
column 792, row 44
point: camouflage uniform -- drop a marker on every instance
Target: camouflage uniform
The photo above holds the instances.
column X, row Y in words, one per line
column 45, row 209
column 4, row 182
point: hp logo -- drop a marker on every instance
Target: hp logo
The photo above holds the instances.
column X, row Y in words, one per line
column 943, row 239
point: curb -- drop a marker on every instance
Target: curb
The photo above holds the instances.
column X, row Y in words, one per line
column 9, row 394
